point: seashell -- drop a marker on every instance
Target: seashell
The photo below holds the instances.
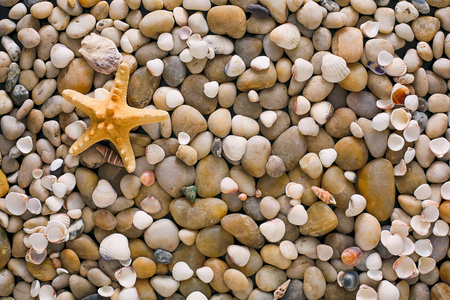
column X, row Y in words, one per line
column 61, row 56
column 384, row 58
column 387, row 290
column 34, row 206
column 370, row 29
column 430, row 212
column 422, row 192
column 302, row 70
column 75, row 129
column 322, row 111
column 352, row 256
column 376, row 275
column 419, row 226
column 351, row 176
column 380, row 122
column 104, row 194
column 115, row 247
column 401, row 168
column 399, row 94
column 308, row 127
column 286, row 36
column 150, row 205
column 373, row 261
column 69, row 180
column 228, row 186
column 34, row 257
column 74, row 213
column 426, row 265
column 37, row 173
column 324, row 252
column 211, row 53
column 410, row 152
column 412, row 132
column 385, row 104
column 396, row 68
column 54, row 203
column 301, row 105
column 62, row 217
column 126, row 262
column 39, row 242
column 323, row 195
column 35, row 288
column 412, row 102
column 59, row 189
column 440, row 228
column 242, row 197
column 31, row 231
column 126, row 276
column 190, row 192
column 181, row 271
column 183, row 138
column 199, row 49
column 408, row 246
column 268, row 118
column 281, row 290
column 253, row 96
column 273, row 230
column 110, row 156
column 405, row 268
column 297, row 215
column 375, row 68
column 184, row 33
column 100, row 53
column 327, row 157
column 16, row 203
column 47, row 293
column 106, row 291
column 423, row 247
column 186, row 56
column 445, row 190
column 205, row 274
column 439, row 146
column 356, row 130
column 187, row 236
column 348, row 280
column 129, row 294
column 155, row 66
column 211, row 89
column 365, row 292
column 260, row 63
column 142, row 220
column 334, row 68
column 395, row 142
column 240, row 255
column 196, row 295
column 25, row 144
column 154, row 154
column 392, row 242
column 234, row 147
column 356, row 205
column 195, row 38
column 294, row 190
column 400, row 118
column 147, row 178
column 55, row 232
column 165, row 41
column 399, row 227
column 174, row 98
column 288, row 250
column 404, row 79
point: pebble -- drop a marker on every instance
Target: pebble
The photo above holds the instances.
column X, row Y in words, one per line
column 244, row 229
column 227, row 19
column 321, row 220
column 425, row 28
column 162, row 234
column 192, row 91
column 363, row 104
column 207, row 179
column 257, row 80
column 19, row 94
column 163, row 256
column 269, row 278
column 171, row 170
column 12, row 77
column 156, row 22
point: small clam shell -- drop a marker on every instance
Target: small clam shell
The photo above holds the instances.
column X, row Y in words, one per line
column 211, row 89
column 62, row 217
column 399, row 94
column 115, row 247
column 380, row 122
column 75, row 130
column 147, row 178
column 129, row 294
column 422, row 192
column 234, row 147
column 423, row 247
column 165, row 41
column 400, row 118
column 205, row 274
column 235, row 67
column 301, row 105
column 126, row 276
column 348, row 280
column 187, row 236
column 106, row 291
column 184, row 33
column 294, row 190
column 155, row 66
column 384, row 58
column 104, row 194
column 260, row 63
column 430, row 212
column 392, row 242
column 356, row 205
column 323, row 195
column 142, row 220
column 37, row 173
column 405, row 268
column 273, row 230
column 16, row 203
column 110, row 156
column 376, row 275
column 268, row 118
column 396, row 68
column 183, row 138
column 39, row 242
column 419, row 226
column 55, row 231
column 181, row 271
column 426, row 265
column 412, row 102
column 186, row 56
column 327, row 157
column 395, row 142
column 240, row 255
column 297, row 215
column 69, row 180
column 34, row 257
column 351, row 176
column 408, row 246
column 439, row 146
column 324, row 252
column 387, row 290
column 440, row 228
column 59, row 189
column 228, row 186
column 410, row 153
column 334, row 68
column 399, row 227
column 54, row 203
column 370, row 29
column 34, row 206
column 375, row 68
column 373, row 261
column 288, row 250
column 47, row 292
column 154, row 154
column 322, row 111
column 385, row 104
column 365, row 292
column 25, row 144
column 352, row 256
column 281, row 290
column 61, row 56
column 445, row 190
column 174, row 99
column 150, row 205
column 302, row 70
column 412, row 132
column 286, row 36
column 35, row 288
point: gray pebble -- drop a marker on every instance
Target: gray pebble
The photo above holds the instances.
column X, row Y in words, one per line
column 294, row 291
column 163, row 256
column 251, row 208
column 61, row 282
column 11, row 127
column 382, row 2
column 29, row 163
column 30, row 3
column 11, row 47
column 25, row 109
column 6, row 145
column 419, row 291
column 440, row 247
column 216, row 147
column 52, row 132
column 19, row 95
column 52, row 107
column 12, row 77
column 422, row 6
column 174, row 71
column 421, row 118
column 9, row 165
column 258, row 11
column 330, row 5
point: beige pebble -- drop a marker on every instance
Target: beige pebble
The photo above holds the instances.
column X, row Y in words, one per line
column 41, row 10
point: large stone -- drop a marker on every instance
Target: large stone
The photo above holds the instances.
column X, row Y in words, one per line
column 78, row 76
column 352, row 153
column 347, row 43
column 219, row 267
column 141, row 87
column 414, row 177
column 5, row 248
column 256, row 156
column 156, row 22
column 314, row 285
column 43, row 272
column 192, row 91
column 81, row 287
column 189, row 254
column 363, row 104
column 244, row 229
column 334, row 181
column 209, row 173
column 173, row 174
column 321, row 220
column 84, row 247
column 284, row 145
column 227, row 19
column 367, row 232
column 213, row 241
column 187, row 119
column 376, row 141
column 257, row 80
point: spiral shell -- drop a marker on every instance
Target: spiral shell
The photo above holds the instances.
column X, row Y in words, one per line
column 110, row 156
column 323, row 195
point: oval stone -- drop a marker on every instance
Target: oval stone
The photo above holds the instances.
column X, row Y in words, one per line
column 244, row 229
column 209, row 173
column 321, row 220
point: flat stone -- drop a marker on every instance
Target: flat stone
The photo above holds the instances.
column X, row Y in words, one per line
column 141, row 87
column 283, row 145
column 209, row 173
column 334, row 181
column 414, row 177
column 78, row 76
column 321, row 220
column 172, row 174
column 257, row 80
column 352, row 153
column 187, row 119
column 363, row 104
column 43, row 272
column 244, row 229
column 192, row 91
column 5, row 248
column 213, row 241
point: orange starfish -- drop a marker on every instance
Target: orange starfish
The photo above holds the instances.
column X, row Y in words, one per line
column 112, row 118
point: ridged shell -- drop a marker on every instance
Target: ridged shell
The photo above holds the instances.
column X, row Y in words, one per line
column 405, row 268
column 126, row 276
column 273, row 230
column 400, row 227
column 356, row 205
column 234, row 147
column 110, row 156
column 104, row 194
column 16, row 203
column 39, row 242
column 387, row 290
column 205, row 274
column 400, row 118
column 181, row 271
column 69, row 180
column 322, row 111
column 100, row 53
column 240, row 255
column 150, row 205
column 323, row 195
column 297, row 215
column 302, row 70
column 62, row 217
column 392, row 242
column 174, row 99
column 147, row 178
column 55, row 231
column 419, row 226
column 47, row 293
column 54, row 203
column 334, row 68
column 396, row 68
column 61, row 56
column 286, row 36
column 115, row 247
column 288, row 250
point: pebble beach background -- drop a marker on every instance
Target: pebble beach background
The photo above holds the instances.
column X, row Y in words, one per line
column 306, row 155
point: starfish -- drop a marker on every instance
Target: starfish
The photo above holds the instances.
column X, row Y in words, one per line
column 112, row 118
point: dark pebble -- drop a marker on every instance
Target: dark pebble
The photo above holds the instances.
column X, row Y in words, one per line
column 12, row 77
column 258, row 11
column 19, row 95
column 163, row 256
column 294, row 291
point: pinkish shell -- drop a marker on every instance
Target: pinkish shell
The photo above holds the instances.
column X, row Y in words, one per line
column 352, row 256
column 148, row 178
column 110, row 156
column 323, row 195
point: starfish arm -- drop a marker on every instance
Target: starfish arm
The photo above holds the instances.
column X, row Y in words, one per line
column 86, row 140
column 82, row 102
column 120, row 87
column 145, row 116
column 123, row 146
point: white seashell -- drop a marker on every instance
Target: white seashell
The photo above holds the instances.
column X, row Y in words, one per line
column 235, row 67
column 412, row 102
column 55, row 231
column 205, row 274
column 365, row 292
column 301, row 105
column 183, row 138
column 273, row 230
column 104, row 194
column 351, row 176
column 125, row 44
column 387, row 291
column 380, row 122
column 396, row 68
column 253, row 96
column 228, row 186
column 61, row 56
column 74, row 213
column 419, row 226
column 25, row 144
column 288, row 250
column 327, row 157
column 294, row 190
column 234, row 147
column 408, row 246
column 126, row 276
column 376, row 275
column 401, row 168
column 34, row 206
column 47, row 293
column 199, row 49
column 184, row 33
column 39, row 242
column 37, row 173
column 392, row 242
column 75, row 129
column 150, row 205
column 426, row 265
column 400, row 118
column 385, row 104
column 307, row 126
column 297, row 215
column 399, row 227
column 260, row 63
column 430, row 212
column 423, row 247
column 324, row 252
column 405, row 268
column 115, row 247
column 412, row 132
column 302, row 70
column 334, row 68
column 322, row 111
column 384, row 58
column 356, row 205
column 106, row 291
column 410, row 153
column 165, row 41
column 439, row 146
column 211, row 53
column 129, row 294
column 370, row 29
column 34, row 257
column 181, row 271
column 356, row 130
column 155, row 67
column 423, row 192
column 445, row 190
column 268, row 118
column 240, row 255
column 373, row 261
column 174, row 98
column 100, row 93
column 54, row 203
column 211, row 89
column 59, row 189
column 186, row 56
column 395, row 142
column 196, row 296
column 187, row 236
column 35, row 288
column 126, row 262
column 286, row 36
column 440, row 228
column 16, row 203
column 142, row 220
column 69, row 180
column 62, row 217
